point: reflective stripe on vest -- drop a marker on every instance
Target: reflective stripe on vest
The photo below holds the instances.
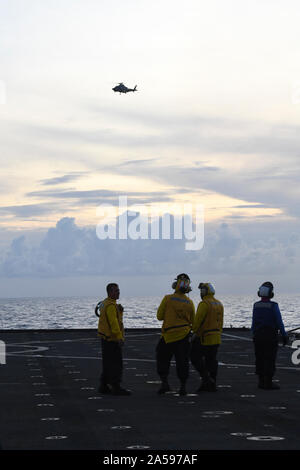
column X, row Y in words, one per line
column 177, row 326
column 178, row 313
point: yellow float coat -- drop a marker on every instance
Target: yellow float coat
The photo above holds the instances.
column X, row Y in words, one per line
column 208, row 324
column 110, row 325
column 177, row 312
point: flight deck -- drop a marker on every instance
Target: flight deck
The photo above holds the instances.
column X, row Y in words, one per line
column 50, row 401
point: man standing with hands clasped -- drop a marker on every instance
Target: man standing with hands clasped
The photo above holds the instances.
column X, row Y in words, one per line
column 111, row 331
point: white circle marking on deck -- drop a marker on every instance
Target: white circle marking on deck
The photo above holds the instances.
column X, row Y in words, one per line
column 210, row 416
column 277, row 407
column 138, row 447
column 120, row 427
column 186, row 402
column 50, row 419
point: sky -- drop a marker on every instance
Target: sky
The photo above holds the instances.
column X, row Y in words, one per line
column 215, row 122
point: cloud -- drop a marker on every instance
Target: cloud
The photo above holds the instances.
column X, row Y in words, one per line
column 240, row 183
column 99, row 196
column 29, row 210
column 208, row 135
column 265, row 143
column 94, row 193
column 67, row 250
column 62, row 179
column 249, row 206
column 139, row 162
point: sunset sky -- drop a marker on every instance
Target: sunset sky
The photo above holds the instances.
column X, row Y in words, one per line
column 215, row 121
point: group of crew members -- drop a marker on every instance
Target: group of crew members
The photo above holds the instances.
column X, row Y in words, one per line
column 189, row 336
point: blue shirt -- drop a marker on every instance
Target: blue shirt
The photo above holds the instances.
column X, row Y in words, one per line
column 267, row 314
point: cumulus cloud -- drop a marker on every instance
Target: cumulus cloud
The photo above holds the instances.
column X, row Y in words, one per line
column 68, row 250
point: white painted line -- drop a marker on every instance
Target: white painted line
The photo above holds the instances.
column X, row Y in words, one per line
column 25, row 352
column 142, row 360
column 237, row 337
column 265, row 438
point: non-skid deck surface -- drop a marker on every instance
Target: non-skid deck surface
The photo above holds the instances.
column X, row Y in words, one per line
column 49, row 397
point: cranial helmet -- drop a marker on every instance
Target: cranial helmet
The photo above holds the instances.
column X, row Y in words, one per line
column 182, row 283
column 206, row 288
column 266, row 290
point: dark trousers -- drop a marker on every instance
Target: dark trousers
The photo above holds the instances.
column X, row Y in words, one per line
column 265, row 348
column 204, row 359
column 112, row 362
column 265, row 357
column 164, row 353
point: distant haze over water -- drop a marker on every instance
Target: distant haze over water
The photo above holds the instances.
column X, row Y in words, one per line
column 140, row 312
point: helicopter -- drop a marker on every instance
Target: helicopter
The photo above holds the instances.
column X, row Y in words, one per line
column 121, row 88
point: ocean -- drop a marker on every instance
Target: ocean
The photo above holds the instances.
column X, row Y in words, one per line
column 139, row 312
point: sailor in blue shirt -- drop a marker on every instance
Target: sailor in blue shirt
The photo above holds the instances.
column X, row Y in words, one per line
column 266, row 322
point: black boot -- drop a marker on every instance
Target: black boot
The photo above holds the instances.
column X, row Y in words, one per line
column 117, row 390
column 165, row 387
column 269, row 385
column 104, row 389
column 261, row 382
column 208, row 385
column 182, row 390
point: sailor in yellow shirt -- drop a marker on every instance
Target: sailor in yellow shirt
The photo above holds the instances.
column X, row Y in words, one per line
column 111, row 332
column 207, row 329
column 177, row 312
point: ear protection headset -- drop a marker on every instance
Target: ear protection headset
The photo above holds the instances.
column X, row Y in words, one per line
column 97, row 308
column 206, row 288
column 182, row 283
column 266, row 290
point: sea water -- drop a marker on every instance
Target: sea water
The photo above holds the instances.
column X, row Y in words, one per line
column 139, row 312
